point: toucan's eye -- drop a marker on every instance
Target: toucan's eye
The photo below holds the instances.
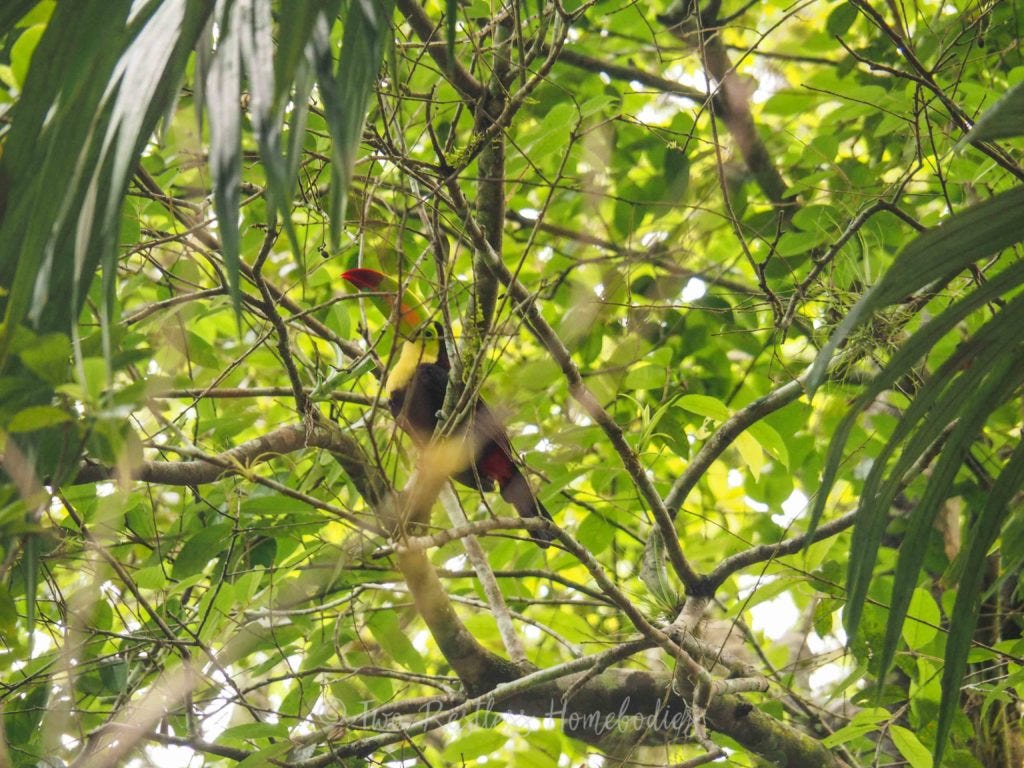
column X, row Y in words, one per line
column 428, row 333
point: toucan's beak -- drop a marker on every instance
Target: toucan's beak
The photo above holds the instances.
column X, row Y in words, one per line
column 364, row 279
column 388, row 298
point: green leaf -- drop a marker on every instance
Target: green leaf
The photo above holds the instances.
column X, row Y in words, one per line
column 539, row 374
column 265, row 758
column 22, row 50
column 151, row 577
column 114, row 675
column 865, row 721
column 797, row 243
column 704, row 405
column 392, row 638
column 8, row 617
column 751, row 453
column 254, row 731
column 646, row 377
column 265, row 108
column 37, row 417
column 768, row 589
column 786, row 102
column 468, row 748
column 964, row 617
column 992, row 379
column 293, row 33
column 553, row 133
column 96, row 373
column 910, row 747
column 11, row 11
column 24, row 713
column 200, row 549
column 823, row 617
column 49, row 357
column 902, row 362
column 102, row 73
column 222, row 102
column 273, row 505
column 140, row 520
column 595, row 533
column 214, row 609
column 841, row 19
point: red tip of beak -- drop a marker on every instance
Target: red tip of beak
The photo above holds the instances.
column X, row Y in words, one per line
column 364, row 279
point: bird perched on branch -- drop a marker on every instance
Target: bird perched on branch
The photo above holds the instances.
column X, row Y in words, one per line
column 415, row 390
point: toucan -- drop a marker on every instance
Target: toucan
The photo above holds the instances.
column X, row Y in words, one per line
column 415, row 391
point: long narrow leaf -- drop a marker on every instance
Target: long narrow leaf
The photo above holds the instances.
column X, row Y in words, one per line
column 295, row 63
column 304, row 79
column 29, row 265
column 147, row 87
column 967, row 606
column 347, row 94
column 223, row 109
column 947, row 387
column 916, row 347
column 874, row 505
column 103, row 73
column 1002, row 379
column 877, row 497
column 293, row 36
column 257, row 48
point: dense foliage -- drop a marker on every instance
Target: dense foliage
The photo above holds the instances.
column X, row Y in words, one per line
column 638, row 226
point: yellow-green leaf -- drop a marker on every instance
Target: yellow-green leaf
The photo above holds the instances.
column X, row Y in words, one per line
column 771, row 441
column 910, row 747
column 864, row 722
column 751, row 452
column 923, row 619
column 22, row 50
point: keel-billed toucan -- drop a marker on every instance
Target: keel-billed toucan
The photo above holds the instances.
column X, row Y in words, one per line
column 415, row 391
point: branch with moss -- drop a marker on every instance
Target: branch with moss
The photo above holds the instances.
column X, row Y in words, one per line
column 433, row 38
column 525, row 304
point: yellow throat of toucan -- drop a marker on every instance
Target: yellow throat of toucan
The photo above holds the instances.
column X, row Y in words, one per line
column 424, row 349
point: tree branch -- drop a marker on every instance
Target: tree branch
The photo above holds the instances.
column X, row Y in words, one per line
column 232, row 393
column 729, row 103
column 631, row 75
column 723, row 437
column 470, row 88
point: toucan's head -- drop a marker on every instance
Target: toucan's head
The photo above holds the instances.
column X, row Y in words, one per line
column 424, row 339
column 387, row 295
